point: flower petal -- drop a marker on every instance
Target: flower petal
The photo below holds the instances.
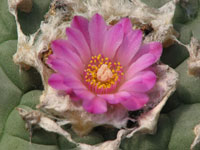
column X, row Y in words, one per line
column 113, row 40
column 110, row 98
column 142, row 82
column 81, row 24
column 96, row 106
column 129, row 46
column 126, row 24
column 50, row 59
column 140, row 64
column 71, row 78
column 97, row 29
column 74, row 83
column 84, row 94
column 115, row 98
column 56, row 81
column 154, row 48
column 76, row 38
column 74, row 97
column 137, row 101
column 61, row 50
column 62, row 67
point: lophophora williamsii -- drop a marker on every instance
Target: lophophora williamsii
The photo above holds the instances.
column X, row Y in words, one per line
column 100, row 63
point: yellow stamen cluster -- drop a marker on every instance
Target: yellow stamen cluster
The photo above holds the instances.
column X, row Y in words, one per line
column 90, row 74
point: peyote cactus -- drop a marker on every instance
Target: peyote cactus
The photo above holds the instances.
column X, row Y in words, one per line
column 26, row 92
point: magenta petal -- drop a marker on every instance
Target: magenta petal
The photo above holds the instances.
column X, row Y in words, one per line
column 129, row 46
column 142, row 82
column 122, row 95
column 74, row 83
column 126, row 24
column 76, row 38
column 97, row 30
column 71, row 78
column 62, row 67
column 113, row 40
column 140, row 64
column 96, row 106
column 154, row 48
column 74, row 97
column 50, row 59
column 61, row 50
column 116, row 97
column 137, row 101
column 110, row 98
column 57, row 82
column 84, row 94
column 81, row 24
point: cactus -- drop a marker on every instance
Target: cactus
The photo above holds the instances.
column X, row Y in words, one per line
column 21, row 88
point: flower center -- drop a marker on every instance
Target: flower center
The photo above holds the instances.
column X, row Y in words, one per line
column 102, row 75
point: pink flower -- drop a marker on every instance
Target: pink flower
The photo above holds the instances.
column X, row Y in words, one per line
column 103, row 65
